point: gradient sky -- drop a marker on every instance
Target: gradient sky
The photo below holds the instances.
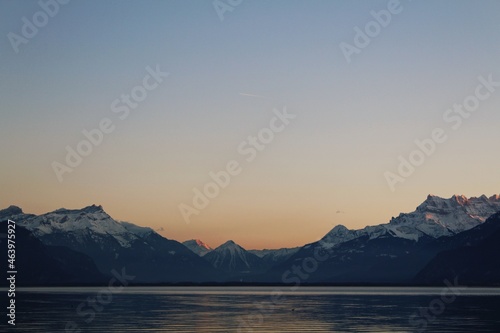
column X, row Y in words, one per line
column 327, row 167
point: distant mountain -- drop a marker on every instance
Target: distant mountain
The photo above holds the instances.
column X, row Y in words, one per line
column 274, row 257
column 115, row 245
column 441, row 239
column 473, row 260
column 11, row 212
column 393, row 252
column 434, row 218
column 235, row 260
column 39, row 264
column 197, row 246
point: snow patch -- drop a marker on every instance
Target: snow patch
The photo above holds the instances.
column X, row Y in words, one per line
column 435, row 217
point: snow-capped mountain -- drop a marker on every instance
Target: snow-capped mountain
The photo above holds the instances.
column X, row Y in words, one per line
column 91, row 219
column 232, row 258
column 197, row 246
column 113, row 245
column 72, row 241
column 394, row 252
column 434, row 218
column 273, row 257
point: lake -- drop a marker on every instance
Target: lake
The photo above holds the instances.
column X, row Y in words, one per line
column 256, row 309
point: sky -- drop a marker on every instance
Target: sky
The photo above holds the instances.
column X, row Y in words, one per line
column 333, row 99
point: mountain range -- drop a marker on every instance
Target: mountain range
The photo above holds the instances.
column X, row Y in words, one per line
column 114, row 245
column 273, row 257
column 441, row 239
column 394, row 252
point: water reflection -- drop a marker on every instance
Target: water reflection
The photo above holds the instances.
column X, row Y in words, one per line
column 251, row 310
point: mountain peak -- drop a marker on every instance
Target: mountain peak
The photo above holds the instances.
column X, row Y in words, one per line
column 199, row 242
column 434, row 218
column 197, row 246
column 230, row 246
column 339, row 228
column 438, row 216
column 13, row 209
column 461, row 199
column 433, row 198
column 10, row 211
column 435, row 202
column 89, row 210
column 229, row 243
column 233, row 258
column 88, row 220
column 339, row 234
column 93, row 209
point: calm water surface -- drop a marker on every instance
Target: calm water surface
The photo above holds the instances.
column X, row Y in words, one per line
column 257, row 309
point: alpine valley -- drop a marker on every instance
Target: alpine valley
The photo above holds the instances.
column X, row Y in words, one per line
column 455, row 239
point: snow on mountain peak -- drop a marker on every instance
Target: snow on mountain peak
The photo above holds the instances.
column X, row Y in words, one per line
column 460, row 199
column 340, row 228
column 135, row 229
column 96, row 211
column 495, row 197
column 202, row 244
column 339, row 234
column 438, row 217
column 91, row 219
column 435, row 217
column 93, row 209
column 198, row 246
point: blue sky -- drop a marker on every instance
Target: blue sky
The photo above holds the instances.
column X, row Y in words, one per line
column 353, row 119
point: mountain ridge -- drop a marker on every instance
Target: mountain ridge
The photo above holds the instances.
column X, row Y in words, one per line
column 427, row 219
column 111, row 244
column 393, row 252
column 431, row 218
